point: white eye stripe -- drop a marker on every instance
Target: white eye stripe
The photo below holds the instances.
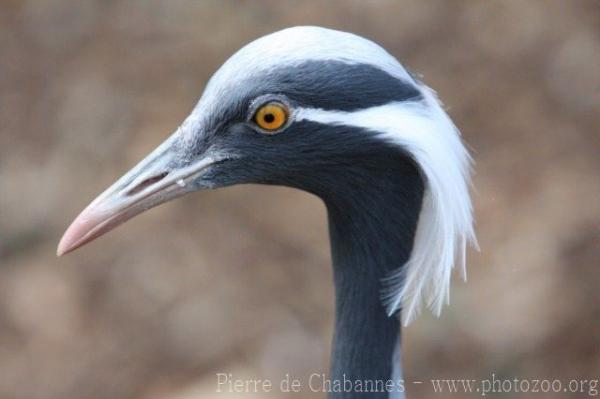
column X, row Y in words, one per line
column 445, row 224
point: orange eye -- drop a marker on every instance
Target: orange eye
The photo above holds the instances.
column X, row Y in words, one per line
column 271, row 116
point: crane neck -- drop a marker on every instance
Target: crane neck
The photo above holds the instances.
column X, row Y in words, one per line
column 372, row 229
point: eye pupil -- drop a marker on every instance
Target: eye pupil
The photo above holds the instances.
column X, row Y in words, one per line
column 269, row 118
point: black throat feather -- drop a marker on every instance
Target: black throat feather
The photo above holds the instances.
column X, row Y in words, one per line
column 372, row 229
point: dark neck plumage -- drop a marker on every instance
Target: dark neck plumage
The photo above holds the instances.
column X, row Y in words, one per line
column 372, row 228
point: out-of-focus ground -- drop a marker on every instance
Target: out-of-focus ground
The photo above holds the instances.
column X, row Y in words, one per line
column 238, row 280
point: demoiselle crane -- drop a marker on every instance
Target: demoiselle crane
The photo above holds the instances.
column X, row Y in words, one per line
column 333, row 114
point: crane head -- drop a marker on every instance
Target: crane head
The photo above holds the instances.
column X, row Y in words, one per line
column 300, row 107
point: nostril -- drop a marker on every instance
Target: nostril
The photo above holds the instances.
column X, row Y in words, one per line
column 146, row 183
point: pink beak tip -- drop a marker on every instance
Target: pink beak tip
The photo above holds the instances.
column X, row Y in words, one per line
column 63, row 248
column 67, row 241
column 76, row 234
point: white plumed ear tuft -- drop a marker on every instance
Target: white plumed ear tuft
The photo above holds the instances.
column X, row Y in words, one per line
column 445, row 225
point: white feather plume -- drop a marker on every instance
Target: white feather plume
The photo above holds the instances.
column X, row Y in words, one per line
column 445, row 225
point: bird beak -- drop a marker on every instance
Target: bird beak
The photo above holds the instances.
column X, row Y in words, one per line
column 160, row 177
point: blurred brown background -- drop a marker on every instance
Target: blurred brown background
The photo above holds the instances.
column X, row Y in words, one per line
column 238, row 280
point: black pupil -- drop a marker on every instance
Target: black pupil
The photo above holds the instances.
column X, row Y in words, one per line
column 269, row 118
